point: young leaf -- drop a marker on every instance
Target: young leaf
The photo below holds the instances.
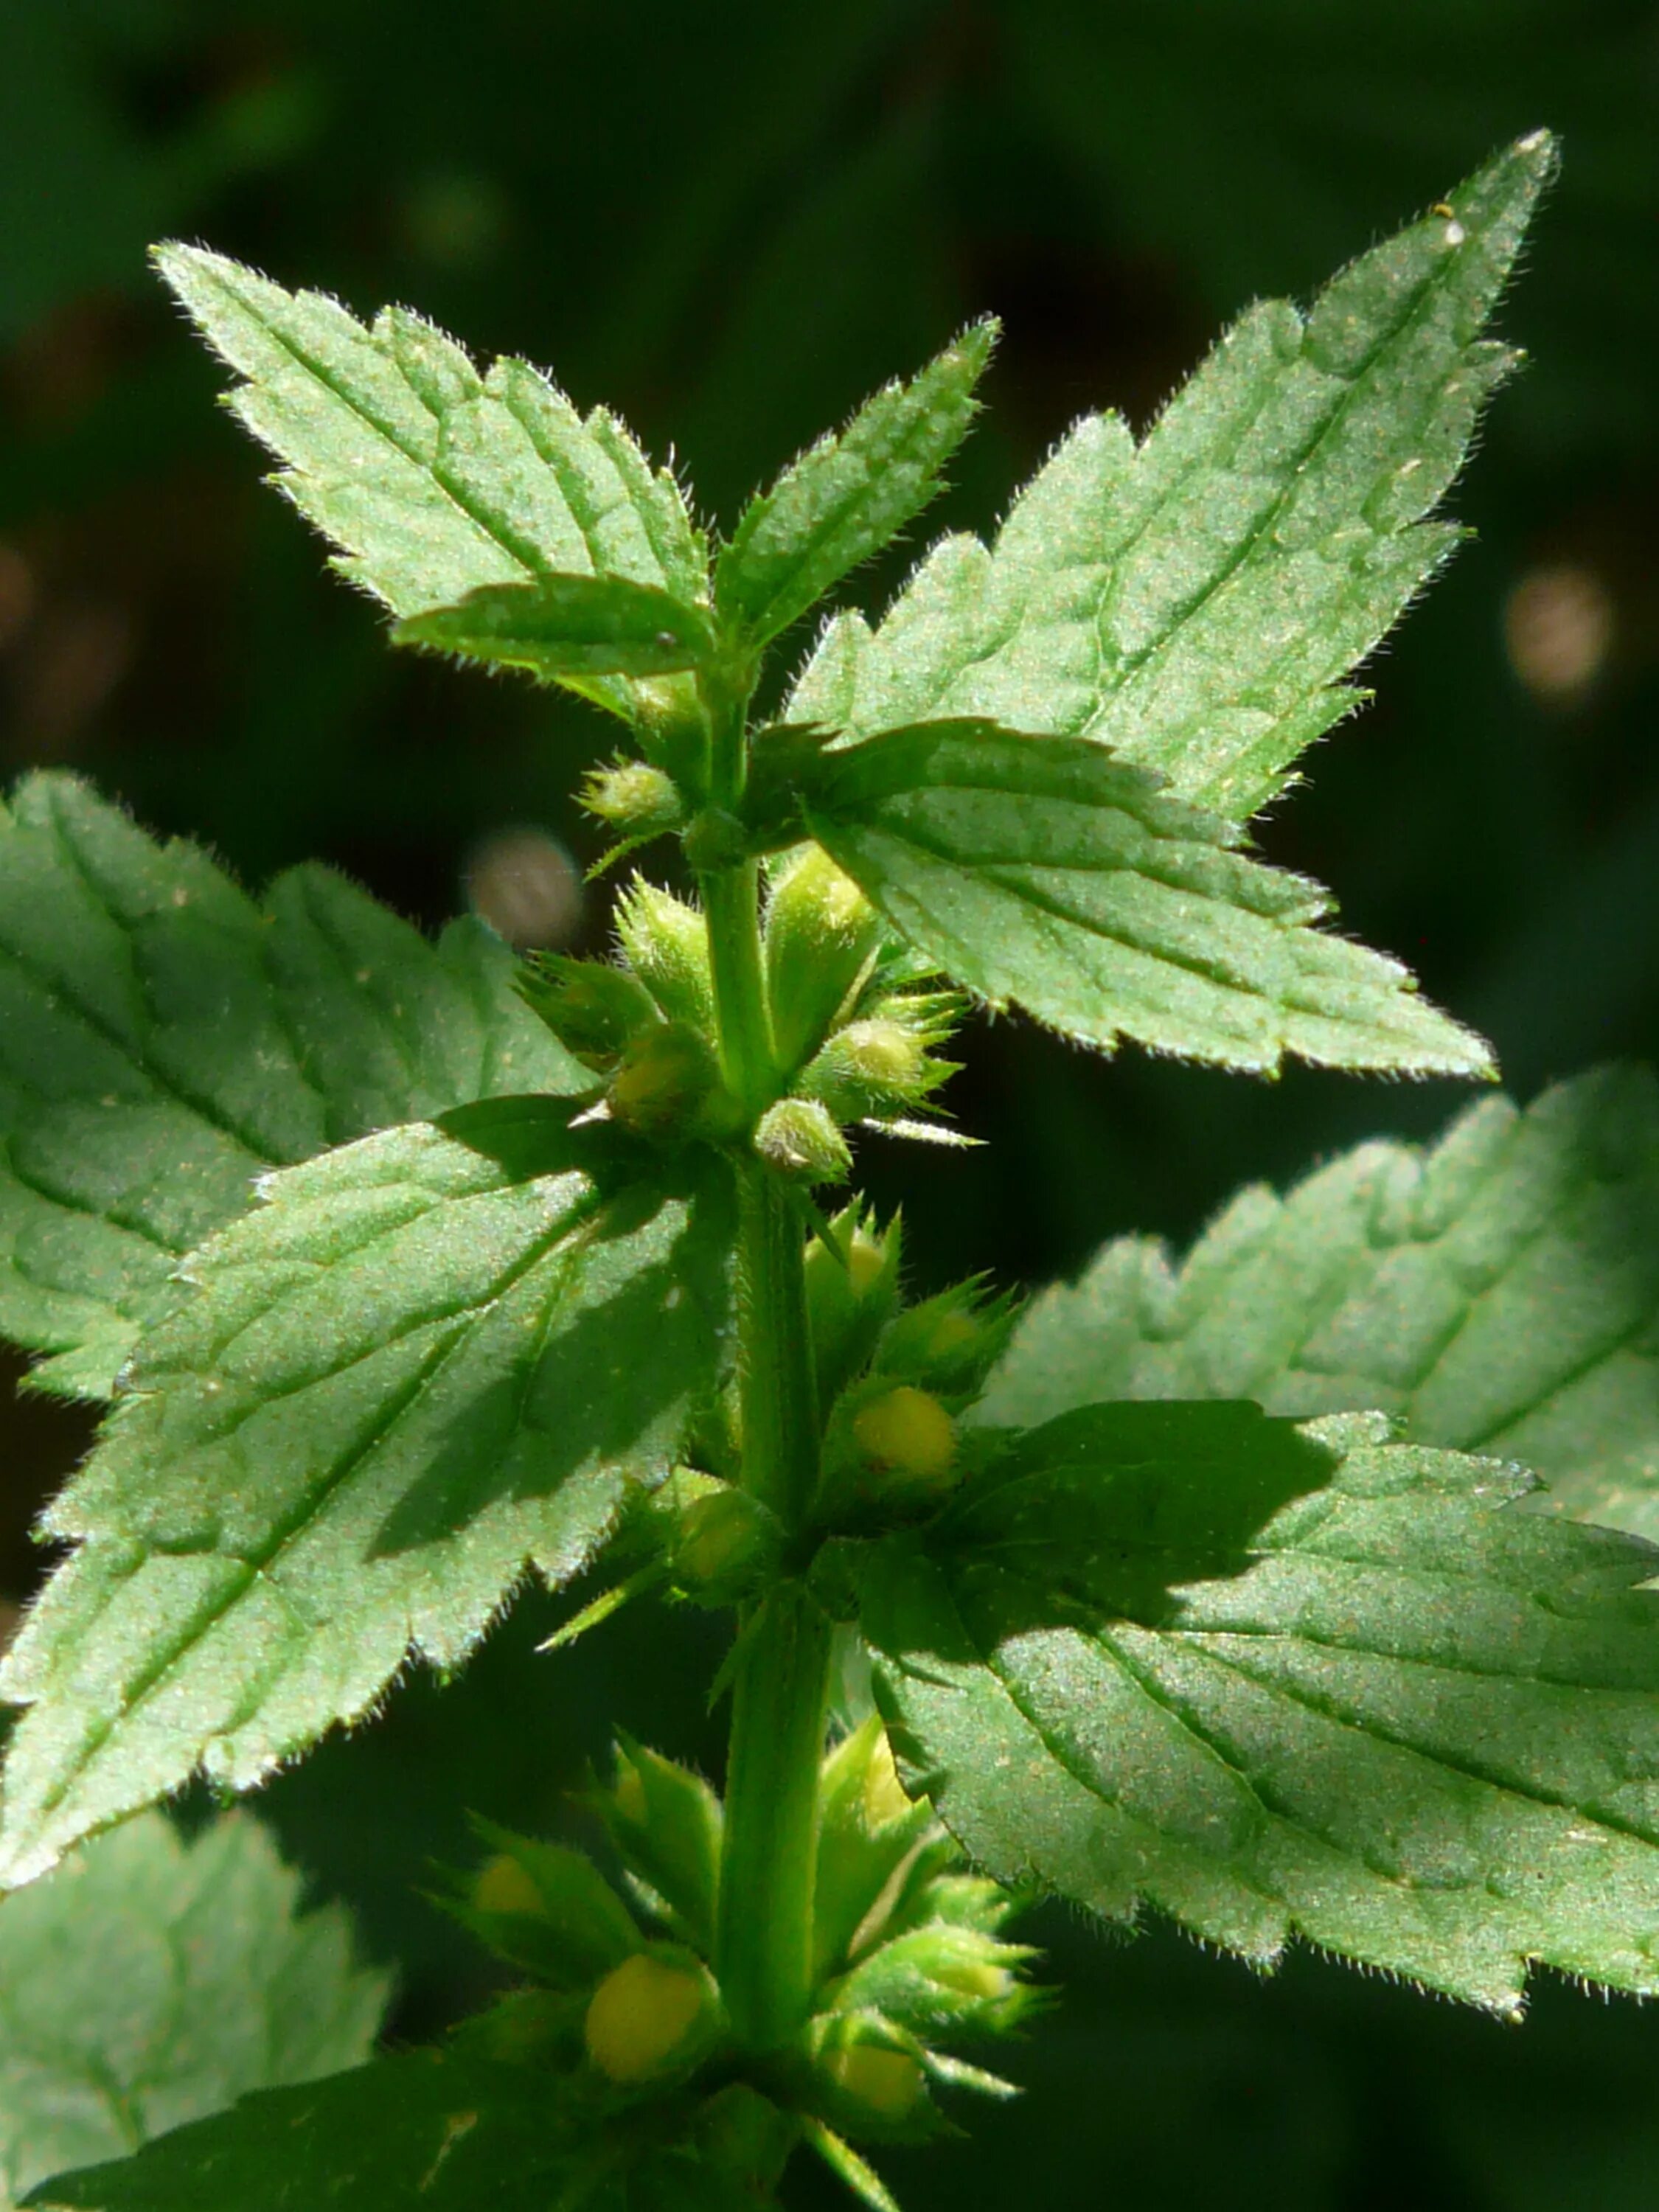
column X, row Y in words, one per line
column 1499, row 1292
column 164, row 1040
column 1041, row 871
column 1281, row 1681
column 846, row 497
column 427, row 1363
column 432, row 479
column 449, row 2130
column 1195, row 601
column 152, row 1980
column 567, row 626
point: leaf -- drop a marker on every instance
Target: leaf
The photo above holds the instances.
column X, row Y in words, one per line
column 851, row 494
column 433, row 479
column 151, row 1980
column 448, row 2130
column 1194, row 601
column 164, row 1040
column 427, row 1363
column 1283, row 1681
column 1041, row 871
column 567, row 626
column 1499, row 1292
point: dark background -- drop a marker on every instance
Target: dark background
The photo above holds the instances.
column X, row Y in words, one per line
column 733, row 221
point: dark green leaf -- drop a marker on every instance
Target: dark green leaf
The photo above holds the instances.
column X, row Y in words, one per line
column 1195, row 601
column 567, row 626
column 1281, row 1681
column 151, row 1980
column 409, row 1377
column 164, row 1040
column 850, row 494
column 1499, row 1292
column 448, row 2130
column 1042, row 872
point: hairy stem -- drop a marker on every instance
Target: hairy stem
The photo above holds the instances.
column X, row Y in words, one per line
column 764, row 1948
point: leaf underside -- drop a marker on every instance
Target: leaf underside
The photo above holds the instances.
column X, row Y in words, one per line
column 164, row 1040
column 1194, row 601
column 1499, row 1292
column 410, row 1377
column 433, row 479
column 1281, row 1682
column 154, row 1980
column 1042, row 872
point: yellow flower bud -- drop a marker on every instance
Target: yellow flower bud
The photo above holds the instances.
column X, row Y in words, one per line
column 884, row 1800
column 642, row 2018
column 504, row 1886
column 887, row 2083
column 906, row 1432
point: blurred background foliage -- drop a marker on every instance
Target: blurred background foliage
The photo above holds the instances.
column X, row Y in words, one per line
column 732, row 221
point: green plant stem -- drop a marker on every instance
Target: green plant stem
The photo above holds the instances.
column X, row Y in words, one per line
column 763, row 1947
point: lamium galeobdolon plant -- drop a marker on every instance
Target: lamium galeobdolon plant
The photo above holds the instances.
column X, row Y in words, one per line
column 409, row 1270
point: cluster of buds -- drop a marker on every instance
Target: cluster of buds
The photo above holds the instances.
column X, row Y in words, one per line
column 911, row 1959
column 895, row 1378
column 909, row 1962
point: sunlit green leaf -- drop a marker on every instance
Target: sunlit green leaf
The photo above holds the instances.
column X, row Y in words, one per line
column 1277, row 1681
column 1195, row 601
column 151, row 1980
column 164, row 1040
column 846, row 497
column 426, row 1364
column 431, row 479
column 1499, row 1292
column 1041, row 873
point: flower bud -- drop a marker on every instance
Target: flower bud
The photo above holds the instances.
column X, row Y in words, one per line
column 726, row 1541
column 666, row 943
column 799, row 1139
column 948, row 1343
column 850, row 1293
column 547, row 1909
column 821, row 930
column 906, row 1438
column 880, row 2084
column 651, row 2017
column 665, row 1823
column 633, row 797
column 668, row 1086
column 594, row 1010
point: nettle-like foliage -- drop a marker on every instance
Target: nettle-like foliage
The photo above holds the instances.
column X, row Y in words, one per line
column 409, row 1270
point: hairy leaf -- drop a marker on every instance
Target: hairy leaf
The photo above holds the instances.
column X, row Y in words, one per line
column 850, row 494
column 426, row 1365
column 151, row 1980
column 1041, row 871
column 431, row 479
column 164, row 1040
column 449, row 2130
column 567, row 626
column 1499, row 1292
column 1194, row 601
column 1281, row 1681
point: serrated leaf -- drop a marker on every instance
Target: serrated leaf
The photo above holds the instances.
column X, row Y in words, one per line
column 432, row 478
column 426, row 1364
column 1041, row 873
column 164, row 1040
column 851, row 494
column 567, row 626
column 448, row 2130
column 151, row 1980
column 1283, row 1681
column 1194, row 601
column 1497, row 1292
